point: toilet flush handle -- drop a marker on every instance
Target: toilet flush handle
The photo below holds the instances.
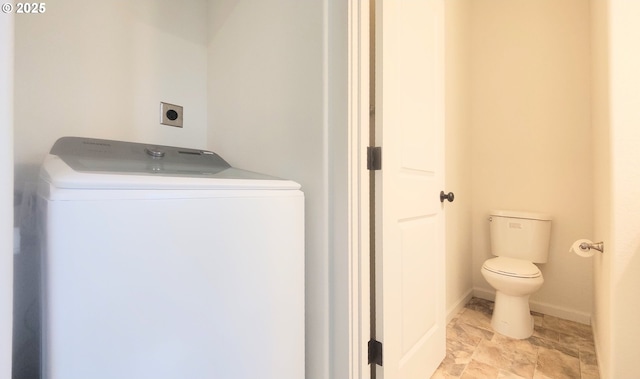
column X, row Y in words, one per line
column 446, row 196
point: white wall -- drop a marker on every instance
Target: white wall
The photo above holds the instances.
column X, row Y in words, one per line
column 267, row 108
column 531, row 136
column 258, row 70
column 6, row 193
column 340, row 184
column 100, row 69
column 459, row 281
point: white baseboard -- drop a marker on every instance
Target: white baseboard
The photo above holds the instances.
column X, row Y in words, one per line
column 545, row 308
column 458, row 305
column 561, row 312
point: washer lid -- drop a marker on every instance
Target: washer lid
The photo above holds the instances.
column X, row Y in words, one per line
column 512, row 267
column 86, row 163
column 98, row 155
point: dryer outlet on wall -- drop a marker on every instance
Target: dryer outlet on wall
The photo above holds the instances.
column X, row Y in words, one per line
column 171, row 114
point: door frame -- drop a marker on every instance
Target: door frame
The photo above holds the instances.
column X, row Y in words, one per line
column 358, row 225
column 6, row 191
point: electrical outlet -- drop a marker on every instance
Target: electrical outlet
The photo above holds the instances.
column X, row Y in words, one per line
column 171, row 114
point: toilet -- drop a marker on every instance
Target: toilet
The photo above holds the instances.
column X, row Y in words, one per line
column 518, row 240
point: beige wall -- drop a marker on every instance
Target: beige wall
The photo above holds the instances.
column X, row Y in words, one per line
column 531, row 136
column 100, row 69
column 458, row 154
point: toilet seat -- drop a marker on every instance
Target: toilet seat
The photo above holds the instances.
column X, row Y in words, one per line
column 512, row 267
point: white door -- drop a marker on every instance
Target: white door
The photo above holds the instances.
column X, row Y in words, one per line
column 409, row 216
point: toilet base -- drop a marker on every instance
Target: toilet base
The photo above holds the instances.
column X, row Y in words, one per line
column 511, row 316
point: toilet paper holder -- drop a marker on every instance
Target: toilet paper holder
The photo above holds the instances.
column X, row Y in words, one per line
column 596, row 245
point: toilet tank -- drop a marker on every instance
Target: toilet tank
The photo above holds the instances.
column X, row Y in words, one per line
column 521, row 235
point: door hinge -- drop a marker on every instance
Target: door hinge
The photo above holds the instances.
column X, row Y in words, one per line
column 375, row 352
column 374, row 158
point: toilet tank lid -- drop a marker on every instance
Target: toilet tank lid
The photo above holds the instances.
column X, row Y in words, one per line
column 521, row 214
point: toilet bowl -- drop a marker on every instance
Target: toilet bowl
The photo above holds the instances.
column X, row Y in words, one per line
column 514, row 281
column 518, row 240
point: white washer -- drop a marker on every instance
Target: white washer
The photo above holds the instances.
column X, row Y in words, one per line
column 164, row 262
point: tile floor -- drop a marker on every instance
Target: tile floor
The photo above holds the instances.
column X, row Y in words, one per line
column 558, row 349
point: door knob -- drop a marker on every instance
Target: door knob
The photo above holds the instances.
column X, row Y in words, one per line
column 446, row 196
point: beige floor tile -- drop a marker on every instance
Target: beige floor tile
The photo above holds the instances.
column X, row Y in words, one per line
column 568, row 327
column 459, row 352
column 480, row 305
column 521, row 355
column 589, row 372
column 449, row 369
column 523, row 366
column 492, row 354
column 476, row 318
column 589, row 365
column 539, row 375
column 506, row 358
column 580, row 342
column 550, row 344
column 508, row 375
column 588, row 358
column 558, row 349
column 537, row 318
column 514, row 345
column 468, row 334
column 557, row 365
column 477, row 370
column 544, row 333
